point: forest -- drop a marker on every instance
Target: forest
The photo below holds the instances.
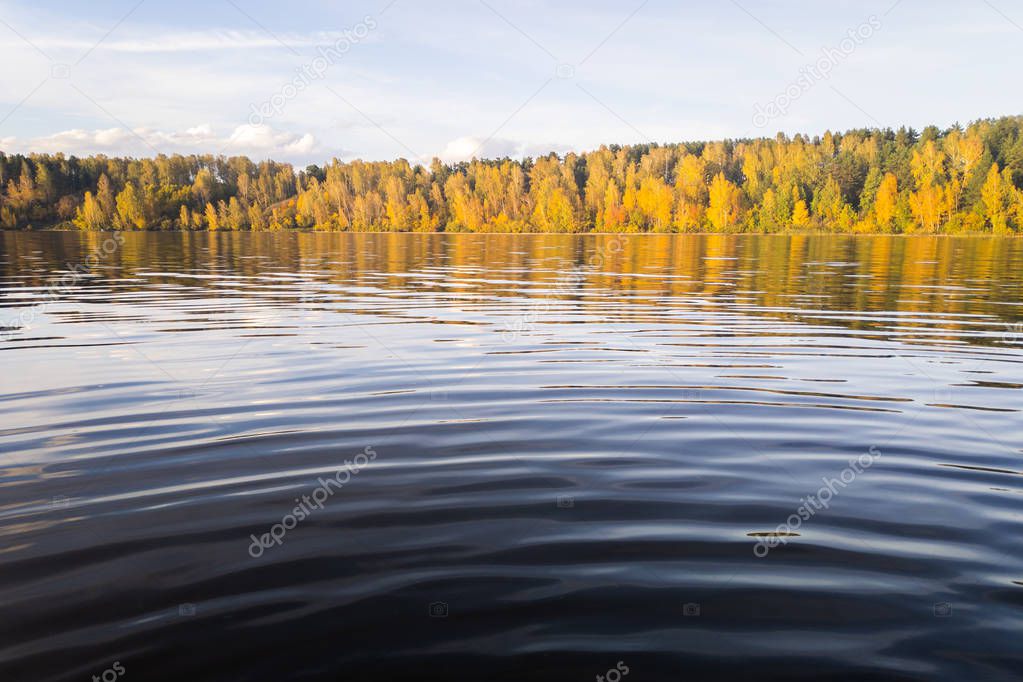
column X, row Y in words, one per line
column 959, row 180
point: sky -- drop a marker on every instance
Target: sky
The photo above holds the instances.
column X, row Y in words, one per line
column 306, row 81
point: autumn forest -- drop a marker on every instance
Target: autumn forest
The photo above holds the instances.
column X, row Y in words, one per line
column 959, row 180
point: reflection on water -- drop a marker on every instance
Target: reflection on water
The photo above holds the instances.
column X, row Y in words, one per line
column 580, row 444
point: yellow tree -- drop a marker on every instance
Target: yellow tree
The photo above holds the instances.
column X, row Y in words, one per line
column 995, row 196
column 398, row 214
column 691, row 189
column 105, row 198
column 212, row 221
column 465, row 210
column 715, row 155
column 931, row 201
column 828, row 204
column 304, row 207
column 553, row 209
column 724, row 203
column 769, row 208
column 257, row 219
column 928, row 163
column 775, row 210
column 238, row 218
column 964, row 153
column 612, row 215
column 1016, row 207
column 203, row 185
column 886, row 201
column 130, row 212
column 90, row 214
column 654, row 201
column 929, row 205
column 419, row 210
column 598, row 174
column 800, row 211
column 757, row 161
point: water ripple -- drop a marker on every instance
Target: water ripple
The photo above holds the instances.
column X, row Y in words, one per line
column 573, row 464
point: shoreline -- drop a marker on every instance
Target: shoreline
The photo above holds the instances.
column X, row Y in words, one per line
column 821, row 233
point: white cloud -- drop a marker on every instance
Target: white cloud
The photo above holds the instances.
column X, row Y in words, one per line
column 470, row 147
column 467, row 148
column 256, row 141
column 266, row 139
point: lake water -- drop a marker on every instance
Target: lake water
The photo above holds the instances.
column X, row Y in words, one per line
column 386, row 457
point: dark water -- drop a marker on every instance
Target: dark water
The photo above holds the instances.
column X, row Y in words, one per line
column 554, row 445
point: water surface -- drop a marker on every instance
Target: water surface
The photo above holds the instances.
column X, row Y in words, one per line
column 559, row 452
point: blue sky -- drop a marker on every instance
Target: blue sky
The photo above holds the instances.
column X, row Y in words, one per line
column 456, row 78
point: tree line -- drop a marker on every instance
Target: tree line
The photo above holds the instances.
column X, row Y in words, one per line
column 885, row 181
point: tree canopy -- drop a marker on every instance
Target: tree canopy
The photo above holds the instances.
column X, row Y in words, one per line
column 937, row 181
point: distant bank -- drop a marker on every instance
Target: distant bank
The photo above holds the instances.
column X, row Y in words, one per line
column 960, row 180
